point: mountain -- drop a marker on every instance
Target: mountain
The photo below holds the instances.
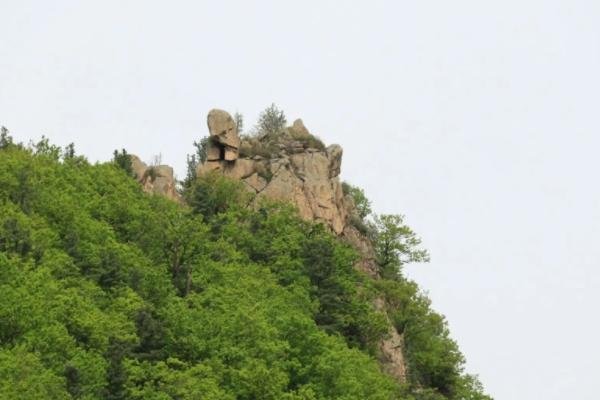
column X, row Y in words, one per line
column 261, row 277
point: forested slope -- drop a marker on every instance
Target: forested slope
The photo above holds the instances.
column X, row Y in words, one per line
column 107, row 292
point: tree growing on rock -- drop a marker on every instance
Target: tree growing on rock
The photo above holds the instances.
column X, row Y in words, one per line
column 271, row 121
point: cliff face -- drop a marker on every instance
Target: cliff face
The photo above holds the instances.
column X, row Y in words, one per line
column 296, row 167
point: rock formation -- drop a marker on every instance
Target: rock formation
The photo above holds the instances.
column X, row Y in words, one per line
column 224, row 141
column 292, row 171
column 158, row 179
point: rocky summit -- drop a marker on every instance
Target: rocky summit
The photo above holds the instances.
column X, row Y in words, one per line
column 294, row 167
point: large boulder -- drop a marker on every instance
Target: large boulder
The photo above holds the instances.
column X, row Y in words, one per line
column 224, row 140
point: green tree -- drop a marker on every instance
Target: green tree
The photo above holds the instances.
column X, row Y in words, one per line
column 361, row 202
column 184, row 239
column 108, row 292
column 123, row 161
column 201, row 148
column 396, row 244
column 213, row 193
column 46, row 149
column 194, row 160
column 271, row 121
column 5, row 139
column 24, row 377
column 69, row 151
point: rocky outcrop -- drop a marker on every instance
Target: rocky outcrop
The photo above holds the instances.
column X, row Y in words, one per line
column 224, row 141
column 157, row 179
column 307, row 177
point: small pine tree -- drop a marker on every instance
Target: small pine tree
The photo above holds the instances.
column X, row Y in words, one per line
column 201, row 148
column 5, row 139
column 193, row 160
column 239, row 122
column 123, row 160
column 69, row 151
column 271, row 121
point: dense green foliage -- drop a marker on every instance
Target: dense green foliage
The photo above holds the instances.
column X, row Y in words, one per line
column 110, row 293
column 121, row 159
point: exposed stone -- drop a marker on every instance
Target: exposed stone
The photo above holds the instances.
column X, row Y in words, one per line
column 299, row 128
column 231, row 154
column 213, row 151
column 157, row 179
column 391, row 348
column 208, row 166
column 308, row 178
column 240, row 169
column 138, row 166
column 334, row 154
column 224, row 140
column 257, row 183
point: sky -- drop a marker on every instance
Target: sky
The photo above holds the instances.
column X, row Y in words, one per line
column 478, row 120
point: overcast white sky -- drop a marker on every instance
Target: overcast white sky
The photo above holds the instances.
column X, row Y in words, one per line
column 479, row 120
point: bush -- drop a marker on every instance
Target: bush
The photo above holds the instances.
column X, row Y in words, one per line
column 253, row 146
column 308, row 141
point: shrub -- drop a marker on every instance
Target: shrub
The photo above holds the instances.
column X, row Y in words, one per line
column 212, row 194
column 308, row 141
column 253, row 146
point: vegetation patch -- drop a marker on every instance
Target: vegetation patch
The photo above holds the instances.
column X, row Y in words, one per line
column 107, row 292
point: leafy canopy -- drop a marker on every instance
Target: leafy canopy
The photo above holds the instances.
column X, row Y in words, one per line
column 107, row 292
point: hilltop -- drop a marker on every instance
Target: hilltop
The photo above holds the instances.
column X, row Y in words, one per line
column 260, row 276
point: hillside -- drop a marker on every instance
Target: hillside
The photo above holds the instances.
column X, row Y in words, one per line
column 110, row 292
